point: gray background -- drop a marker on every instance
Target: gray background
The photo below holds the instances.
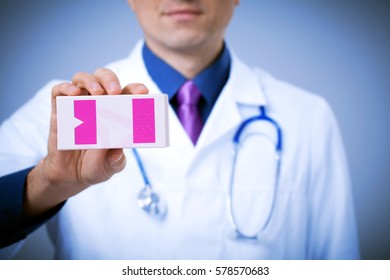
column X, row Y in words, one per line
column 336, row 48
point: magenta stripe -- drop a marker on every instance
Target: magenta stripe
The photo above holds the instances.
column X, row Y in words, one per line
column 85, row 111
column 143, row 120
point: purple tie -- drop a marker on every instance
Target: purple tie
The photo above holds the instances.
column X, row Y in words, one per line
column 188, row 98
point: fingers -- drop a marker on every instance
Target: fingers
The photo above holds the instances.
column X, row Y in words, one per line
column 88, row 82
column 102, row 81
column 65, row 89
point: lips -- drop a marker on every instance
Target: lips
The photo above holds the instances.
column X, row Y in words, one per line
column 184, row 14
column 183, row 11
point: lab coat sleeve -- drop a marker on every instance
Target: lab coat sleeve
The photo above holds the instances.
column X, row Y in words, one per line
column 23, row 139
column 333, row 233
column 23, row 136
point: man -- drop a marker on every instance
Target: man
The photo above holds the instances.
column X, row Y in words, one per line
column 305, row 213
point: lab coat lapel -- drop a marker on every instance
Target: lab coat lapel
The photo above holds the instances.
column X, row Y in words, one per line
column 242, row 89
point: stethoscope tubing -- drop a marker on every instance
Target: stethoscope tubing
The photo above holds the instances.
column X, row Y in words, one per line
column 236, row 146
column 152, row 205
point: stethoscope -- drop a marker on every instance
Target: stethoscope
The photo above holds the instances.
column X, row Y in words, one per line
column 151, row 203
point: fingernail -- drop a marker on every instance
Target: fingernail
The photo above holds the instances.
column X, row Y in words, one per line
column 115, row 163
column 113, row 86
column 140, row 88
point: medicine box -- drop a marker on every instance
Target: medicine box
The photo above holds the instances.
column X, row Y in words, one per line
column 112, row 121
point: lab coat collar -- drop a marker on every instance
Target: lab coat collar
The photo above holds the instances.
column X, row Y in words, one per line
column 243, row 84
column 246, row 84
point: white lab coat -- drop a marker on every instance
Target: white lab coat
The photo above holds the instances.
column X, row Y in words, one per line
column 313, row 216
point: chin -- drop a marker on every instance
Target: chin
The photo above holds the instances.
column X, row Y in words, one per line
column 186, row 41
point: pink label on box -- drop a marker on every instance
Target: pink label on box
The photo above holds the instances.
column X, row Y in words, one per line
column 143, row 120
column 85, row 111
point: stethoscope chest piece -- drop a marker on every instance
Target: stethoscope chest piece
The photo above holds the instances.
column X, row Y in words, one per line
column 147, row 199
column 151, row 203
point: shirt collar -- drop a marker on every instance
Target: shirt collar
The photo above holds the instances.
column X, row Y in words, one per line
column 210, row 81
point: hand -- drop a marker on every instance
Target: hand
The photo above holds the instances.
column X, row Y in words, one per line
column 62, row 174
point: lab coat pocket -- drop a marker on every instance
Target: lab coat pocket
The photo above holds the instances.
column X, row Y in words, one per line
column 274, row 217
column 249, row 221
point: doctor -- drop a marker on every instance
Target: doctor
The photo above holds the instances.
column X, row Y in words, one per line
column 218, row 206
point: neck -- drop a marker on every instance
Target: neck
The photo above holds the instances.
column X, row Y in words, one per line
column 187, row 61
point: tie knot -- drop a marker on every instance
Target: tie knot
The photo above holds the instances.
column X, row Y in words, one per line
column 188, row 94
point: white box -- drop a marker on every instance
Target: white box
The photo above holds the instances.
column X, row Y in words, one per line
column 112, row 121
